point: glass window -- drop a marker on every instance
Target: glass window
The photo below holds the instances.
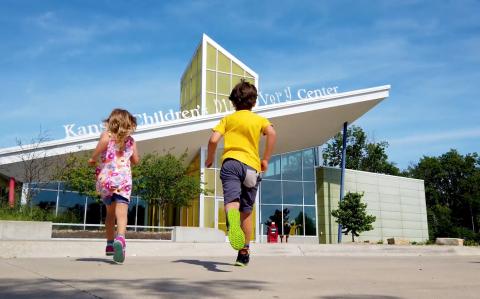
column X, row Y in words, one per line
column 273, row 171
column 310, row 221
column 96, row 211
column 43, row 199
column 194, row 66
column 308, row 165
column 223, row 63
column 209, row 211
column 132, row 210
column 269, row 214
column 142, row 213
column 292, row 193
column 292, row 166
column 211, row 57
column 294, row 214
column 250, row 80
column 236, row 69
column 211, row 81
column 271, row 192
column 50, row 186
column 211, row 106
column 309, row 193
column 72, row 202
column 210, row 181
column 236, row 80
column 218, row 158
column 223, row 81
column 218, row 181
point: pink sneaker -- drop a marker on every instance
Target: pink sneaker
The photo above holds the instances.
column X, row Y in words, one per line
column 109, row 251
column 119, row 250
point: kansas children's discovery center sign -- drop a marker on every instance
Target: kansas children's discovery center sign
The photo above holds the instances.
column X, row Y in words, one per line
column 221, row 105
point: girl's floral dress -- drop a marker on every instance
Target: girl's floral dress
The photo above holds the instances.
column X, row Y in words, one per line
column 114, row 174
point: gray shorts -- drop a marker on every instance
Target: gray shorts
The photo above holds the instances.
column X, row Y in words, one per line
column 240, row 183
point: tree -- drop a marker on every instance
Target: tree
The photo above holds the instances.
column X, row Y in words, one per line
column 77, row 175
column 163, row 181
column 452, row 191
column 361, row 154
column 352, row 216
column 36, row 166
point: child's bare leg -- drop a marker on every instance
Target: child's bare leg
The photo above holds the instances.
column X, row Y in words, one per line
column 247, row 226
column 232, row 205
column 121, row 213
column 110, row 222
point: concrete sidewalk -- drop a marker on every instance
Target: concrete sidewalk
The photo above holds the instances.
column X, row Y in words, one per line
column 81, row 248
column 316, row 277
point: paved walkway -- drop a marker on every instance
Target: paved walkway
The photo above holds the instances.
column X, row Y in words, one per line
column 154, row 269
column 320, row 277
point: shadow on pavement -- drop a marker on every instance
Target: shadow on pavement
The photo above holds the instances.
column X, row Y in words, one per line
column 106, row 261
column 209, row 265
column 124, row 288
column 363, row 296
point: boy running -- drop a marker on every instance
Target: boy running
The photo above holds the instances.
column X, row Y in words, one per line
column 241, row 164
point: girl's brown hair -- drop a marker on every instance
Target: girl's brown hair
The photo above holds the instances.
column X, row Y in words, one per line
column 120, row 124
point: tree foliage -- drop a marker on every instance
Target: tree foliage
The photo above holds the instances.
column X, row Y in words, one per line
column 352, row 215
column 77, row 174
column 163, row 181
column 361, row 154
column 452, row 191
column 159, row 180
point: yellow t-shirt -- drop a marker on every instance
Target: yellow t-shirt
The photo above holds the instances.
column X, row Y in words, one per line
column 241, row 131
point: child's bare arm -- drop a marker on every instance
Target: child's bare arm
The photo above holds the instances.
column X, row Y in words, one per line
column 212, row 146
column 101, row 147
column 134, row 159
column 271, row 135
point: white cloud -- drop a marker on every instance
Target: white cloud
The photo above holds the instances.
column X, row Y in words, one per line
column 444, row 136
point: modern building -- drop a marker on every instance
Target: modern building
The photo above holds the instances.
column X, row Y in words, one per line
column 296, row 189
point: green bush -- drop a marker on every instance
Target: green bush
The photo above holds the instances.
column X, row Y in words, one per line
column 470, row 243
column 26, row 213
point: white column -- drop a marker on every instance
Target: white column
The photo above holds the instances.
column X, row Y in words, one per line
column 201, row 213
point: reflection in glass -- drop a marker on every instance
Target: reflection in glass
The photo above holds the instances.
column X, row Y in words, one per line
column 292, row 193
column 292, row 166
column 271, row 192
column 310, row 221
column 269, row 214
column 96, row 211
column 46, row 200
column 309, row 193
column 308, row 165
column 70, row 202
column 294, row 214
column 132, row 205
column 273, row 171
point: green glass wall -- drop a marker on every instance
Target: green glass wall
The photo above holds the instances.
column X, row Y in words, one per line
column 222, row 74
column 191, row 83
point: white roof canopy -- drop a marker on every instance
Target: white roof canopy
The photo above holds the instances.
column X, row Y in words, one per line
column 299, row 124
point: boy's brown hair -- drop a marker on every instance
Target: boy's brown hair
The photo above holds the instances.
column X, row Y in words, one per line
column 243, row 95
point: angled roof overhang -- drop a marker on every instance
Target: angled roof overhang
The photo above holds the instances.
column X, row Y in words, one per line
column 299, row 124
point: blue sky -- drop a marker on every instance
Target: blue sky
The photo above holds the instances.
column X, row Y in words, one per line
column 73, row 61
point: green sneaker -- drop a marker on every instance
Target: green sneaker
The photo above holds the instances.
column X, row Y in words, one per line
column 235, row 233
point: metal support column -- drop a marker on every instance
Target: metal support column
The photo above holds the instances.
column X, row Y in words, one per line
column 342, row 174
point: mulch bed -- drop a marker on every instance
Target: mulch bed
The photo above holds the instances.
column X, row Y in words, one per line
column 84, row 234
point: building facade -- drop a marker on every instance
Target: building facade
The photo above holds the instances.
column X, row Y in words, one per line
column 296, row 192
